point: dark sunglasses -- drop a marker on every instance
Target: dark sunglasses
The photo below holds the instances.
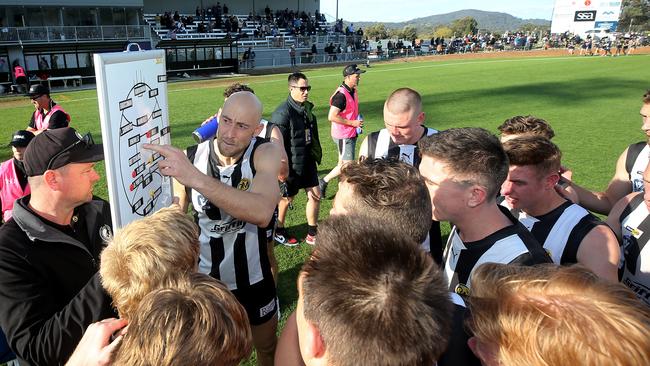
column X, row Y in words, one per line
column 86, row 140
column 302, row 88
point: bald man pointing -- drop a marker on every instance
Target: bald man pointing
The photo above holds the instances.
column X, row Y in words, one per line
column 231, row 181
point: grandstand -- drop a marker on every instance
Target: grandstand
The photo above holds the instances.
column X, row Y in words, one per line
column 56, row 40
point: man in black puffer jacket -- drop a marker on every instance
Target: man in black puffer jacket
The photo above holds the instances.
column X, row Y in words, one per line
column 50, row 291
column 298, row 125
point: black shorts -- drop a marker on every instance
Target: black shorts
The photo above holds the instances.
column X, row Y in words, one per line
column 309, row 178
column 259, row 300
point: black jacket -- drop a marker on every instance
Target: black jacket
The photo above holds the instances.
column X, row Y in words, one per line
column 49, row 285
column 292, row 119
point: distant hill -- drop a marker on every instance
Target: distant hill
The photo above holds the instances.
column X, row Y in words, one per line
column 489, row 20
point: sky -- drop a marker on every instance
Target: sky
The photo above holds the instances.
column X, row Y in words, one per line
column 402, row 10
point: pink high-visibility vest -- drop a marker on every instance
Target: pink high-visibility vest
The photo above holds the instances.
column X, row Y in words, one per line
column 10, row 189
column 43, row 122
column 351, row 112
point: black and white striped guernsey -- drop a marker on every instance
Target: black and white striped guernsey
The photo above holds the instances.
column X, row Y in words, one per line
column 634, row 268
column 232, row 250
column 512, row 244
column 638, row 156
column 381, row 145
column 561, row 230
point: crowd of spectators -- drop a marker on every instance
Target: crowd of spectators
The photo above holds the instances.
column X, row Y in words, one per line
column 270, row 23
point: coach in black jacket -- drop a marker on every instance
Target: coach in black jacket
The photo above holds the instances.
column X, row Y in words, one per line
column 297, row 122
column 49, row 252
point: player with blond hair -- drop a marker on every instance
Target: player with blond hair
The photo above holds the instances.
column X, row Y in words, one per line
column 550, row 315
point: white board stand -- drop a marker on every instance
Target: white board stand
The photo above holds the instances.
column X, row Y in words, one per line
column 132, row 93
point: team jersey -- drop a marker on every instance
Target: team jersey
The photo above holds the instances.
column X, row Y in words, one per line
column 638, row 156
column 232, row 250
column 381, row 145
column 560, row 231
column 634, row 267
column 458, row 352
column 511, row 244
column 266, row 131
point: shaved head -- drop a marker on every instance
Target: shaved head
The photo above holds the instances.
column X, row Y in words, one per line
column 403, row 116
column 245, row 105
column 239, row 122
column 404, row 100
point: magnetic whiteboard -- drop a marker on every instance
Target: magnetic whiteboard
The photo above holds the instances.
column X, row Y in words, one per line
column 132, row 93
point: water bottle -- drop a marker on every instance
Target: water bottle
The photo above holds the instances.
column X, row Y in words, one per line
column 207, row 131
column 359, row 129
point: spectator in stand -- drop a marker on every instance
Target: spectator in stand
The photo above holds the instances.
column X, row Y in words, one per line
column 20, row 77
column 314, row 52
column 292, row 55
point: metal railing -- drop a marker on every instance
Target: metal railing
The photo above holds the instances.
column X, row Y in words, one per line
column 302, row 60
column 73, row 34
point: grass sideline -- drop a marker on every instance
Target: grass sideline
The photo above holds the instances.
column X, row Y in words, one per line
column 592, row 104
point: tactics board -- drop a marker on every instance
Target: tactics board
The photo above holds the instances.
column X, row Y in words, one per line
column 132, row 93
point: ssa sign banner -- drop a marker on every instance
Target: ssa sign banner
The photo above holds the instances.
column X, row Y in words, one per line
column 585, row 16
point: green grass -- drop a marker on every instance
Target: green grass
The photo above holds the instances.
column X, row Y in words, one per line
column 592, row 103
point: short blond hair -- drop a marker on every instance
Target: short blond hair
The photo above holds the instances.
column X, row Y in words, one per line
column 194, row 321
column 144, row 253
column 557, row 315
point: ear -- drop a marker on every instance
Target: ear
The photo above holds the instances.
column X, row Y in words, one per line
column 551, row 180
column 52, row 179
column 259, row 128
column 312, row 346
column 486, row 355
column 477, row 195
column 421, row 118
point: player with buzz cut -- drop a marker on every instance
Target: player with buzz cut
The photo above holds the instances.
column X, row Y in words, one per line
column 568, row 232
column 463, row 169
column 628, row 176
column 234, row 190
column 404, row 127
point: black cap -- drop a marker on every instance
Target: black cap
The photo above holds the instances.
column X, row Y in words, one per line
column 352, row 69
column 21, row 138
column 59, row 147
column 37, row 90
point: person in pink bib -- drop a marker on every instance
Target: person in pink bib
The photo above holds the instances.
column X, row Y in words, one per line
column 13, row 180
column 48, row 115
column 346, row 121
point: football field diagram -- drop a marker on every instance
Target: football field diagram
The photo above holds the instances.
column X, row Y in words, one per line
column 133, row 107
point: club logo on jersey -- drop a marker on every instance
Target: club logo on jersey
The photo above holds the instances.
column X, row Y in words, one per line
column 244, row 184
column 548, row 251
column 635, row 232
column 105, row 233
column 461, row 289
column 406, row 158
column 637, row 184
